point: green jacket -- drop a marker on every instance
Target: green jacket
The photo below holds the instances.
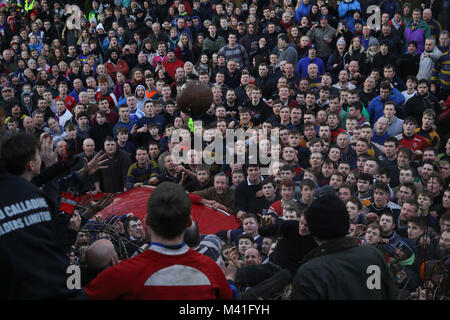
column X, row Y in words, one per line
column 211, row 45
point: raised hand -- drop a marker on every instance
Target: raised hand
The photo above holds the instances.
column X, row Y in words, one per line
column 48, row 155
column 96, row 206
column 96, row 163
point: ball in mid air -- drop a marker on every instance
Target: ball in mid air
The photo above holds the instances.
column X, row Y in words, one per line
column 195, row 98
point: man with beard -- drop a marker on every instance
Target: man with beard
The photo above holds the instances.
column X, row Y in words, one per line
column 7, row 100
column 421, row 101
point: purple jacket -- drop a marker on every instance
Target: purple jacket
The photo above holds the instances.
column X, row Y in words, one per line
column 417, row 33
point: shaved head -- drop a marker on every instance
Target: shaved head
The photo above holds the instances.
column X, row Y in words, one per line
column 88, row 141
column 101, row 255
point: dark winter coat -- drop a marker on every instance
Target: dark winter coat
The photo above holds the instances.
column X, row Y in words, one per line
column 340, row 270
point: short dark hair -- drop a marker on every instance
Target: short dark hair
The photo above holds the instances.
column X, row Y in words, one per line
column 70, row 126
column 365, row 177
column 356, row 201
column 419, row 221
column 394, row 140
column 246, row 236
column 385, row 85
column 127, row 227
column 411, row 120
column 375, row 225
column 389, row 102
column 307, row 183
column 445, row 217
column 121, row 130
column 439, row 177
column 252, row 216
column 266, row 181
column 17, row 150
column 142, row 148
column 407, row 151
column 413, row 203
column 357, row 105
column 421, row 81
column 81, row 114
column 246, row 110
column 382, row 170
column 410, row 185
column 389, row 214
column 154, row 144
column 168, row 210
column 381, row 186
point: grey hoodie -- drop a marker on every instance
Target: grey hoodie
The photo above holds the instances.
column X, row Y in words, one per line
column 140, row 101
column 427, row 63
column 289, row 54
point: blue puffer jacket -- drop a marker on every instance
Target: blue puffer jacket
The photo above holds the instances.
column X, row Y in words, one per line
column 376, row 105
column 345, row 7
column 302, row 10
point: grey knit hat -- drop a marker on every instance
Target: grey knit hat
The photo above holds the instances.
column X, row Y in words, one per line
column 373, row 42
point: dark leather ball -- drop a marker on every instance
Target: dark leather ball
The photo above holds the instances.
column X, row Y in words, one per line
column 195, row 98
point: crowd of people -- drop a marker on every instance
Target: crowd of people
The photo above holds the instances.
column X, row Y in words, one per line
column 345, row 108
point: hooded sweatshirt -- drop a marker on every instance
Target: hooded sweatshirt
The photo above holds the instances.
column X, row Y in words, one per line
column 140, row 102
column 407, row 18
column 27, row 108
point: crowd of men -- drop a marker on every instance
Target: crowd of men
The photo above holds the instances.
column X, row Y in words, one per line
column 345, row 108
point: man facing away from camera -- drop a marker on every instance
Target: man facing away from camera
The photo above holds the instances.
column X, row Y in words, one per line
column 169, row 269
column 33, row 264
column 340, row 269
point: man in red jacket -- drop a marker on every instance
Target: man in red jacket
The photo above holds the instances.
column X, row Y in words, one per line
column 115, row 64
column 169, row 269
column 171, row 63
column 287, row 191
column 411, row 139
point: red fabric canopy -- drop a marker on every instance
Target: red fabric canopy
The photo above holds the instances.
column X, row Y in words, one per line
column 208, row 219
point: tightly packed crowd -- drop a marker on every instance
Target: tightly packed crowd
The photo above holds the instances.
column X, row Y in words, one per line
column 343, row 106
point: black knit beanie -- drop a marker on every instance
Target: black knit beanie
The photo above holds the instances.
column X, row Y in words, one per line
column 327, row 218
